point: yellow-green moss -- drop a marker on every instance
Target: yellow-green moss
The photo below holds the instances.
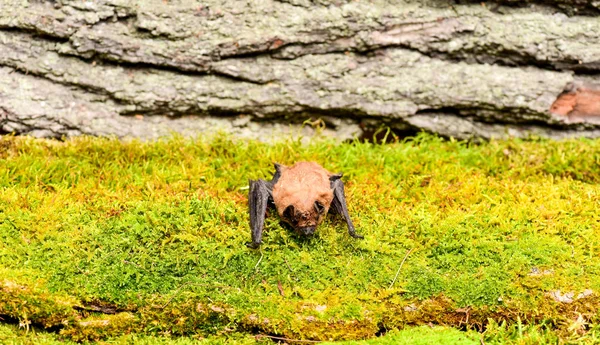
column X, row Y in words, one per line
column 157, row 230
column 29, row 304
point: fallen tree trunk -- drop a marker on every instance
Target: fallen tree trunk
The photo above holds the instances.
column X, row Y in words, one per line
column 144, row 68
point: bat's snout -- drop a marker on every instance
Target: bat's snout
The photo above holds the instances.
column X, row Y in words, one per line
column 307, row 230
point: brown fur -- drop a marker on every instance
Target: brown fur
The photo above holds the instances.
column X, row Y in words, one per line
column 300, row 186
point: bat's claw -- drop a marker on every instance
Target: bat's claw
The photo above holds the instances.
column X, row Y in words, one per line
column 357, row 236
column 252, row 245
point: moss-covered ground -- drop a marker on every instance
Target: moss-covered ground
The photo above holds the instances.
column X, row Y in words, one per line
column 129, row 242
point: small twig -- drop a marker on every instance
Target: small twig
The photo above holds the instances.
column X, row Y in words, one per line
column 99, row 307
column 175, row 294
column 258, row 336
column 288, row 265
column 290, row 268
column 258, row 263
column 402, row 263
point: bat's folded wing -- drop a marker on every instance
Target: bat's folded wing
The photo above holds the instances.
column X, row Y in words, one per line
column 258, row 200
column 338, row 205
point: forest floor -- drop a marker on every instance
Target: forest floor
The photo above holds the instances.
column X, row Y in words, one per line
column 129, row 242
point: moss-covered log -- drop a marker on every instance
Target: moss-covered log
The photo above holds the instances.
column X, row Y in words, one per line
column 102, row 238
column 144, row 68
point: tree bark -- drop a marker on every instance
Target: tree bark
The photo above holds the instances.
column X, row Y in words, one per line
column 145, row 68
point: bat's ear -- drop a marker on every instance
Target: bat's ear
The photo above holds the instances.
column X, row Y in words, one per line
column 279, row 168
column 335, row 177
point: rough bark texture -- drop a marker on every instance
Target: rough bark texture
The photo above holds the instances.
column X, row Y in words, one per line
column 251, row 67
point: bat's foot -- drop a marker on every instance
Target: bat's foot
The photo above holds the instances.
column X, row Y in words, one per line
column 252, row 245
column 355, row 235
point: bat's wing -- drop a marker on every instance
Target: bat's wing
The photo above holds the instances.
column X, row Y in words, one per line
column 338, row 205
column 258, row 200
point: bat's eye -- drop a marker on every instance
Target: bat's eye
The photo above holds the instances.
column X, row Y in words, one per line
column 319, row 207
column 288, row 214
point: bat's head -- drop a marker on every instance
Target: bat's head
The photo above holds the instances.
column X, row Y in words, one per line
column 302, row 195
column 303, row 218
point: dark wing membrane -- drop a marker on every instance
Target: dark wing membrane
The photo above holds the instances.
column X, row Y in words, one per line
column 258, row 199
column 338, row 205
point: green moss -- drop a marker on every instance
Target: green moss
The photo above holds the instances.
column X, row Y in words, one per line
column 157, row 231
column 422, row 336
column 32, row 304
column 13, row 335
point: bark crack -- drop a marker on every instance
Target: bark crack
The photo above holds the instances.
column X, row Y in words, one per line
column 87, row 63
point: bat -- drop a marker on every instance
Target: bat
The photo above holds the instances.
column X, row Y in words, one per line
column 302, row 194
